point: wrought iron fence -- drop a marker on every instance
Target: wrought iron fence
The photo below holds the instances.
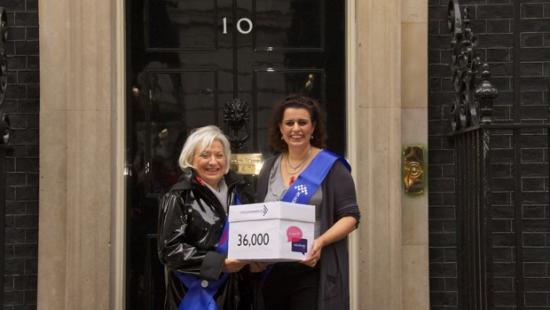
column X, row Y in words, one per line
column 494, row 196
column 470, row 120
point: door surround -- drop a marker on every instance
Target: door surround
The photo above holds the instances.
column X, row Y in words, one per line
column 119, row 233
column 82, row 95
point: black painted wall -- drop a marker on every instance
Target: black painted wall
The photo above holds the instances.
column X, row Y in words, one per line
column 22, row 106
column 514, row 37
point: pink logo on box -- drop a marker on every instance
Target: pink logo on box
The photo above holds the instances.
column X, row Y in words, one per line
column 293, row 234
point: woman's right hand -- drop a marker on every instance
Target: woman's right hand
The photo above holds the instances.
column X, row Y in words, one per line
column 233, row 265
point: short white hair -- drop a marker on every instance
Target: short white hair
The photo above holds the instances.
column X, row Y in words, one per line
column 202, row 138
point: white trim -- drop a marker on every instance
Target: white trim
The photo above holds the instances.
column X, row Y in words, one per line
column 118, row 260
column 351, row 130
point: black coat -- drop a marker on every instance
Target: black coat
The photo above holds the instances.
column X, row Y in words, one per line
column 190, row 223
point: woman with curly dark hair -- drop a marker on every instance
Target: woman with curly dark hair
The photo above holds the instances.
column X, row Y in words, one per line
column 297, row 135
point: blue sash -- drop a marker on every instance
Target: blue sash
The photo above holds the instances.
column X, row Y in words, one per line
column 197, row 296
column 310, row 179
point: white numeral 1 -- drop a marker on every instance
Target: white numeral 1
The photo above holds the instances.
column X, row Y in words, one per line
column 224, row 25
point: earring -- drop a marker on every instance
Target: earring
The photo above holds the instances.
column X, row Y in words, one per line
column 282, row 138
column 311, row 137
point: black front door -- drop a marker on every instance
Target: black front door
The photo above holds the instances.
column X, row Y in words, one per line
column 187, row 62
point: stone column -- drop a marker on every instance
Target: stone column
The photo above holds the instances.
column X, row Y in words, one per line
column 378, row 110
column 414, row 115
column 77, row 49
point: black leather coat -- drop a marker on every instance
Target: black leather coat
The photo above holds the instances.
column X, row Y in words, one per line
column 190, row 223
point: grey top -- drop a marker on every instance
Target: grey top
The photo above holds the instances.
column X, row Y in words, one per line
column 276, row 189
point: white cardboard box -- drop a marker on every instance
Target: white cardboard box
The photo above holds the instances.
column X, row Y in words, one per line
column 271, row 231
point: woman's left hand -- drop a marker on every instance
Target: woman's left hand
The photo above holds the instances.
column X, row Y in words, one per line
column 233, row 265
column 314, row 254
column 336, row 232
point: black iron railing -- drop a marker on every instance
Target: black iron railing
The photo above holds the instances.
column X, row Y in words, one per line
column 490, row 191
column 471, row 114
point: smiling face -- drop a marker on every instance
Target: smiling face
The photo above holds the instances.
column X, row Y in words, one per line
column 296, row 127
column 210, row 163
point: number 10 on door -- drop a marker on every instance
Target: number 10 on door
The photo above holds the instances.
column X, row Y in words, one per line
column 244, row 25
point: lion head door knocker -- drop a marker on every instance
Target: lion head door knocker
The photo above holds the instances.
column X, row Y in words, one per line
column 236, row 116
column 413, row 170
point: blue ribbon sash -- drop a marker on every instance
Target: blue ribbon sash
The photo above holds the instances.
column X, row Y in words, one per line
column 311, row 178
column 199, row 297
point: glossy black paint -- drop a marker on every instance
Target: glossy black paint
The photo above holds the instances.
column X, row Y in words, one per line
column 182, row 69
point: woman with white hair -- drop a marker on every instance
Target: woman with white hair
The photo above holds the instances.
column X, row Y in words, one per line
column 192, row 228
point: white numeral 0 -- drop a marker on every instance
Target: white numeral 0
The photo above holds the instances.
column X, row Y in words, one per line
column 240, row 28
column 239, row 25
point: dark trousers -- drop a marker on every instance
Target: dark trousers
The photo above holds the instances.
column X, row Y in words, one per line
column 291, row 286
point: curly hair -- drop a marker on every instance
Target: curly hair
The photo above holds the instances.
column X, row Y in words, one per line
column 299, row 102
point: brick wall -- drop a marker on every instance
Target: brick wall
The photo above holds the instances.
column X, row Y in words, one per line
column 514, row 37
column 22, row 106
column 442, row 224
